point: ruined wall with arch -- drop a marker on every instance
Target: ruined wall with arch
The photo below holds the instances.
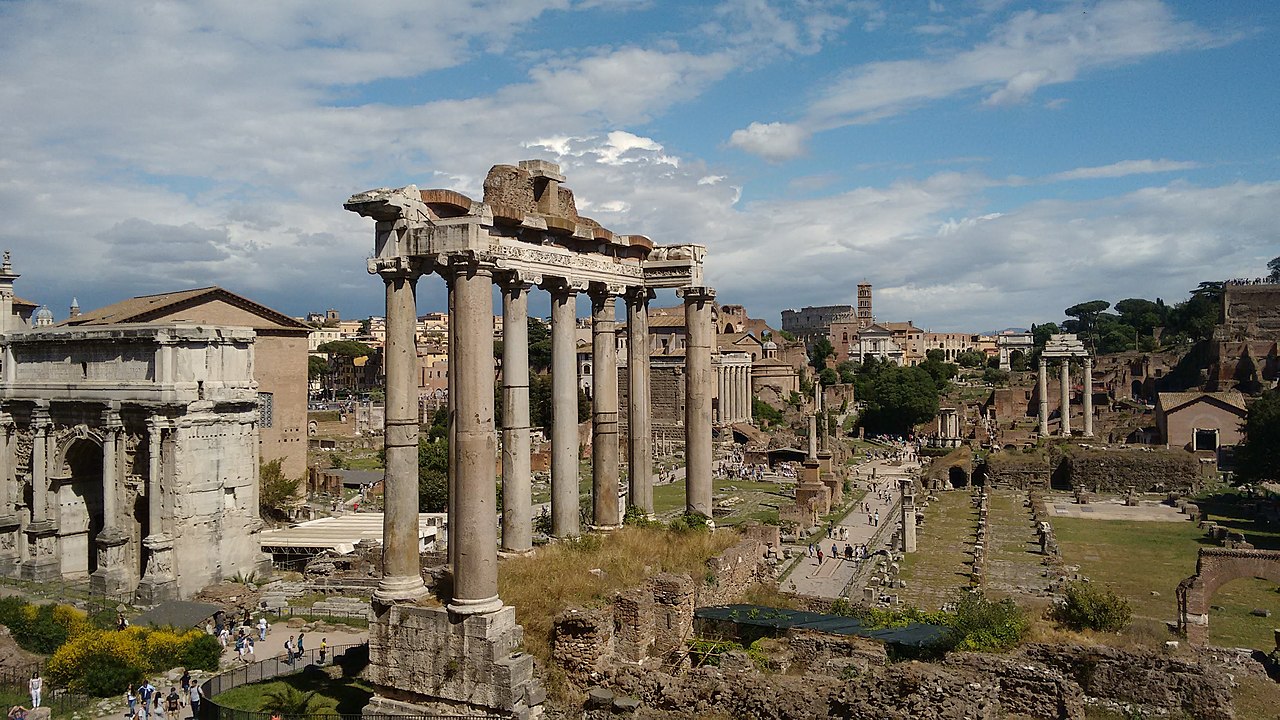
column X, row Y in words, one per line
column 1216, row 567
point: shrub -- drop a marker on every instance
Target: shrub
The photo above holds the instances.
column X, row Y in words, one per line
column 636, row 517
column 41, row 628
column 1088, row 607
column 103, row 662
column 986, row 626
column 202, row 652
column 690, row 522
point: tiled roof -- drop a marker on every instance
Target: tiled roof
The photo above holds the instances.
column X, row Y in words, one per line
column 146, row 308
column 1172, row 401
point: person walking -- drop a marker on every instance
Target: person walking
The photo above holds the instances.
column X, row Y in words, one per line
column 172, row 703
column 145, row 692
column 324, row 649
column 36, row 685
column 262, row 628
column 131, row 700
column 288, row 650
column 301, row 635
column 194, row 696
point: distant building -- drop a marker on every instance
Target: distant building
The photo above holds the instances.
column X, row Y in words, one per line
column 1200, row 421
column 808, row 324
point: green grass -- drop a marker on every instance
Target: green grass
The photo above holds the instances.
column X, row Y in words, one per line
column 1136, row 558
column 940, row 567
column 350, row 693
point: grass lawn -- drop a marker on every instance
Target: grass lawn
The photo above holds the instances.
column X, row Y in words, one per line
column 350, row 693
column 1139, row 558
column 940, row 566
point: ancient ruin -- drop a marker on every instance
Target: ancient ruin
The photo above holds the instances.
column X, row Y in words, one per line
column 1066, row 347
column 526, row 232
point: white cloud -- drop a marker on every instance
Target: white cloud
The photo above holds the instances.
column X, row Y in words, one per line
column 1123, row 168
column 772, row 141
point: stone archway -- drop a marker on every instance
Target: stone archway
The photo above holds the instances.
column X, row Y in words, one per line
column 1216, row 567
column 958, row 477
column 80, row 506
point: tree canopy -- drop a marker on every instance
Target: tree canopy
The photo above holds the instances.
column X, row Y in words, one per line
column 345, row 348
column 433, row 475
column 1257, row 458
column 820, row 352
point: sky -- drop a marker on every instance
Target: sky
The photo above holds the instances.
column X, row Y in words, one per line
column 983, row 163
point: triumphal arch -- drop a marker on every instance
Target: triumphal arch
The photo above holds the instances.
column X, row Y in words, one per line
column 525, row 233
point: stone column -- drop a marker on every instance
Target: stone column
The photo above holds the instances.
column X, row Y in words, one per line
column 475, row 560
column 640, row 442
column 159, row 582
column 604, row 411
column 1088, row 396
column 564, row 414
column 699, row 336
column 113, row 575
column 401, row 572
column 39, row 466
column 517, row 520
column 1043, row 388
column 722, row 394
column 451, row 426
column 10, row 521
column 908, row 515
column 1065, row 380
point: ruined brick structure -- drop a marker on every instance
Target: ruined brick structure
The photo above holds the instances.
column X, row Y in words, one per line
column 1245, row 355
column 1216, row 567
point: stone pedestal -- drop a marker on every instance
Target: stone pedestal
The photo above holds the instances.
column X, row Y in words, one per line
column 113, row 576
column 455, row 665
column 41, row 562
column 824, row 462
column 811, row 492
column 159, row 583
column 9, row 557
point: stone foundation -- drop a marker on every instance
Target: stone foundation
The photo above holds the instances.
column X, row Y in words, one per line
column 456, row 665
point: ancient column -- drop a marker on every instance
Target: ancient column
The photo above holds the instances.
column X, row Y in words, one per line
column 1088, row 396
column 39, row 466
column 699, row 336
column 517, row 520
column 722, row 393
column 639, row 448
column 564, row 414
column 908, row 515
column 110, row 490
column 451, row 426
column 10, row 522
column 604, row 412
column 401, row 572
column 113, row 576
column 475, row 561
column 1065, row 379
column 1043, row 388
column 813, row 436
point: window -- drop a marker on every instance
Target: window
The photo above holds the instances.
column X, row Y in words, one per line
column 266, row 409
column 1206, row 439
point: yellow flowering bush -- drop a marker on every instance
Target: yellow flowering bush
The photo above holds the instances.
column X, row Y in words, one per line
column 103, row 662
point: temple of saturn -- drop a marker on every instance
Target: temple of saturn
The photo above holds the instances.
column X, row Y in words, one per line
column 525, row 233
column 1065, row 347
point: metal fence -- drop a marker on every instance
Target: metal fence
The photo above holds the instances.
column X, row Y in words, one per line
column 59, row 700
column 74, row 593
column 279, row 666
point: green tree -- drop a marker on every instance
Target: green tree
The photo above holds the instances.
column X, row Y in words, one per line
column 971, row 359
column 829, row 377
column 1257, row 458
column 1040, row 333
column 935, row 355
column 1273, row 270
column 848, row 371
column 820, row 352
column 540, row 406
column 276, row 491
column 539, row 345
column 1018, row 361
column 900, row 398
column 317, row 367
column 1141, row 315
column 767, row 415
column 995, row 375
column 1086, row 606
column 345, row 348
column 433, row 475
column 1086, row 314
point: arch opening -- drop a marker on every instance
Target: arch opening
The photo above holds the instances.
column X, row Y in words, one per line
column 957, row 477
column 80, row 508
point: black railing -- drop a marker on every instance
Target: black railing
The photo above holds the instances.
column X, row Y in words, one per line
column 59, row 700
column 279, row 666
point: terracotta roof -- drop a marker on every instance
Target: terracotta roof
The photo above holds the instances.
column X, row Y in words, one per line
column 904, row 326
column 19, row 302
column 1169, row 402
column 656, row 321
column 147, row 308
column 770, row 361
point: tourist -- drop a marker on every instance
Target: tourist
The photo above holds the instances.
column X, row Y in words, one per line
column 835, row 553
column 131, row 700
column 172, row 702
column 121, row 622
column 240, row 648
column 35, row 686
column 877, row 522
column 194, row 696
column 224, row 636
column 248, row 651
column 17, row 712
column 262, row 628
column 186, row 680
column 848, row 551
column 300, row 650
column 288, row 650
column 819, row 556
column 324, row 649
column 145, row 694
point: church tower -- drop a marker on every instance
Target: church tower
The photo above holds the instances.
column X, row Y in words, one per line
column 865, row 318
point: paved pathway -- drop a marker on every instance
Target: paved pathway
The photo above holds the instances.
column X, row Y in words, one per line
column 829, row 578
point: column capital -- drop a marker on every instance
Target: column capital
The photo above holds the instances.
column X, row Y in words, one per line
column 111, row 421
column 606, row 290
column 564, row 285
column 639, row 295
column 391, row 268
column 40, row 417
column 516, row 279
column 696, row 293
column 465, row 264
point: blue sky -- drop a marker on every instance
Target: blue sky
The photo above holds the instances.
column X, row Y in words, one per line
column 984, row 164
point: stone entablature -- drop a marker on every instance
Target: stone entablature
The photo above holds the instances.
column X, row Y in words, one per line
column 138, row 448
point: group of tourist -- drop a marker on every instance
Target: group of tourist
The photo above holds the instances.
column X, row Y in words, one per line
column 146, row 703
column 293, row 650
column 36, row 687
column 851, row 552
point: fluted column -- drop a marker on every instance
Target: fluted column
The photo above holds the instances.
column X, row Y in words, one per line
column 1043, row 387
column 517, row 520
column 110, row 470
column 39, row 466
column 1088, row 396
column 1064, row 375
column 697, row 410
column 908, row 515
column 722, row 394
column 8, row 493
column 401, row 572
column 564, row 414
column 604, row 411
column 640, row 441
column 475, row 560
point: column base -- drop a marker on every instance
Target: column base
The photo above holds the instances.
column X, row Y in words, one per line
column 43, row 561
column 503, row 553
column 459, row 606
column 113, row 576
column 606, row 528
column 402, row 589
column 155, row 590
column 427, row 661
